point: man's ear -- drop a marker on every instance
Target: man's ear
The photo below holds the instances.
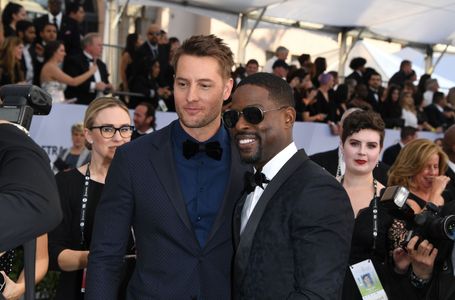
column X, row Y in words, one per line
column 290, row 116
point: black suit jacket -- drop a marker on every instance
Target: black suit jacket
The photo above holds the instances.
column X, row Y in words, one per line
column 144, row 51
column 391, row 153
column 142, row 190
column 357, row 77
column 436, row 118
column 77, row 65
column 329, row 161
column 68, row 33
column 29, row 199
column 296, row 243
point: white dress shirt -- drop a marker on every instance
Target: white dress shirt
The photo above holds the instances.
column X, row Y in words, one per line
column 270, row 169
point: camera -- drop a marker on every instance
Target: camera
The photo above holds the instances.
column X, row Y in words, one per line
column 428, row 224
column 20, row 102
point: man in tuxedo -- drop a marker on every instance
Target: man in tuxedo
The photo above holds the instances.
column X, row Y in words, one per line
column 437, row 115
column 293, row 225
column 74, row 66
column 177, row 187
column 374, row 90
column 67, row 28
column 407, row 134
column 357, row 65
column 26, row 31
column 333, row 161
column 448, row 145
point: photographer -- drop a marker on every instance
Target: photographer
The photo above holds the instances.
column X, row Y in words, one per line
column 28, row 194
column 419, row 167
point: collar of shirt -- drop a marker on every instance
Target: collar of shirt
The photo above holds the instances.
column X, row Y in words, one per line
column 273, row 166
column 88, row 55
column 441, row 109
column 451, row 165
column 341, row 163
column 146, row 132
column 58, row 17
column 152, row 46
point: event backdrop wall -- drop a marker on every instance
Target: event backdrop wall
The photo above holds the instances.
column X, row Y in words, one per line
column 53, row 132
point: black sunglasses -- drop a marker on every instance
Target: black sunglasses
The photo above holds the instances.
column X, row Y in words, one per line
column 252, row 114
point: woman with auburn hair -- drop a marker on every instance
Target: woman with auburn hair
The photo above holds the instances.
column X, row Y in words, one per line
column 420, row 167
column 10, row 61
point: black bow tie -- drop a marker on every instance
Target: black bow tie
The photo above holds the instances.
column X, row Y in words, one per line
column 212, row 149
column 90, row 59
column 254, row 180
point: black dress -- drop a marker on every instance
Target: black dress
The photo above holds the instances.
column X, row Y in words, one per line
column 68, row 235
column 396, row 286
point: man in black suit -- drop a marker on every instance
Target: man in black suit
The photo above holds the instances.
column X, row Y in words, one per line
column 448, row 145
column 333, row 162
column 293, row 225
column 407, row 134
column 403, row 74
column 177, row 187
column 67, row 28
column 74, row 66
column 154, row 50
column 437, row 115
column 374, row 90
column 29, row 199
column 357, row 65
column 26, row 31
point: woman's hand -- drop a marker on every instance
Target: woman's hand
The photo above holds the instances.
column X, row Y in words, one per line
column 422, row 258
column 12, row 291
column 438, row 186
column 93, row 68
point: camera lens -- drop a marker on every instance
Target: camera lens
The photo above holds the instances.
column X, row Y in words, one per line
column 449, row 226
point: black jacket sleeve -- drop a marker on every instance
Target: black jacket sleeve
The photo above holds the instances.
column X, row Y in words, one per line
column 29, row 199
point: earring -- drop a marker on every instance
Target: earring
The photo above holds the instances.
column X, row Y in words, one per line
column 377, row 164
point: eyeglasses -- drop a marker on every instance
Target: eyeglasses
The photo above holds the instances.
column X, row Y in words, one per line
column 154, row 33
column 108, row 131
column 252, row 114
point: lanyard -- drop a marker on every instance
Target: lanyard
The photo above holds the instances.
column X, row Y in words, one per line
column 84, row 204
column 375, row 213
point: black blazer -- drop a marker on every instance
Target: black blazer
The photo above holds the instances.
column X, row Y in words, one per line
column 68, row 33
column 296, row 243
column 142, row 190
column 436, row 118
column 390, row 154
column 29, row 199
column 77, row 65
column 329, row 161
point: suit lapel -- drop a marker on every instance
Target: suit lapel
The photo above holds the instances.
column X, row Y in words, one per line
column 163, row 162
column 246, row 239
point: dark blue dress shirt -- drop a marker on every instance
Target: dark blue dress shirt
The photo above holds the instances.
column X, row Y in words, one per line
column 203, row 180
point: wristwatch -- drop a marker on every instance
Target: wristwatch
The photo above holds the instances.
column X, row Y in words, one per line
column 417, row 281
column 2, row 283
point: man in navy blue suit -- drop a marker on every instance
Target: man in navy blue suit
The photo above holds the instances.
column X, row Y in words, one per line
column 177, row 188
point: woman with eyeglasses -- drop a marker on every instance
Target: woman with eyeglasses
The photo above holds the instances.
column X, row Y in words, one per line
column 106, row 127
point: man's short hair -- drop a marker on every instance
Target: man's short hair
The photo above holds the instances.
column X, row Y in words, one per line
column 252, row 62
column 150, row 112
column 280, row 63
column 405, row 63
column 48, row 24
column 23, row 25
column 73, row 7
column 281, row 49
column 279, row 90
column 438, row 97
column 357, row 62
column 210, row 46
column 407, row 131
column 88, row 38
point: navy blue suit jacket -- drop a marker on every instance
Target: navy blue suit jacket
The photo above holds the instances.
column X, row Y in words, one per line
column 142, row 190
